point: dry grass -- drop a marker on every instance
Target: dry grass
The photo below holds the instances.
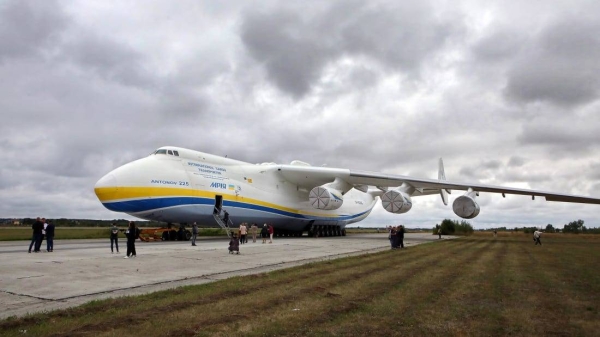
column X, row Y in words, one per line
column 474, row 286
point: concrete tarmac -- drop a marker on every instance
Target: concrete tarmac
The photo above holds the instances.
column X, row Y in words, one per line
column 79, row 271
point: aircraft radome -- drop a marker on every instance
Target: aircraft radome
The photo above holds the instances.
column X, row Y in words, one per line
column 176, row 185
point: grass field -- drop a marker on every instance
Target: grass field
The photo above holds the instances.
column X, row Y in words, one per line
column 472, row 286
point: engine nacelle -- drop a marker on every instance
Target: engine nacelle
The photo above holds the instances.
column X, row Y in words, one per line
column 396, row 202
column 323, row 197
column 466, row 207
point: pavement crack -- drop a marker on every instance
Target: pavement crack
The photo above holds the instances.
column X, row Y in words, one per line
column 30, row 296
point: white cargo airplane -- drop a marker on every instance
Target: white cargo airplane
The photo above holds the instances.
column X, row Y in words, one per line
column 177, row 185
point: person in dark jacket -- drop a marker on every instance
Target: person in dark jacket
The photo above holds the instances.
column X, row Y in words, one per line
column 234, row 244
column 131, row 234
column 264, row 232
column 114, row 238
column 37, row 229
column 394, row 237
column 400, row 235
column 38, row 232
column 50, row 237
column 226, row 218
column 38, row 243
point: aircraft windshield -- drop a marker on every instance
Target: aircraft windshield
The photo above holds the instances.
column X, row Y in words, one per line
column 167, row 152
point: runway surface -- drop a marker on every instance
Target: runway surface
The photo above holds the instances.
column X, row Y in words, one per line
column 79, row 271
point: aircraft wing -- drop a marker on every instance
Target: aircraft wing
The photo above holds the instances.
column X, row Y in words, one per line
column 310, row 176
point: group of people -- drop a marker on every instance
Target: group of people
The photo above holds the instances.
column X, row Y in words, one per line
column 266, row 233
column 42, row 229
column 131, row 233
column 396, row 236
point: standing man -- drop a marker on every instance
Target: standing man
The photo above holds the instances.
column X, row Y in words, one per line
column 264, row 233
column 440, row 232
column 131, row 234
column 37, row 226
column 400, row 235
column 253, row 230
column 536, row 237
column 271, row 231
column 243, row 233
column 194, row 233
column 114, row 237
column 39, row 234
column 44, row 225
column 50, row 237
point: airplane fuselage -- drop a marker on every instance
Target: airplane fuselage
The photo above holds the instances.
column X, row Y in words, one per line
column 185, row 186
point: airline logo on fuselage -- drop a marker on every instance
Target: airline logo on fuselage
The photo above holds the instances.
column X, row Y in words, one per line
column 222, row 186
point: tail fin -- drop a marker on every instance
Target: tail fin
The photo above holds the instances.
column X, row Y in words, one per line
column 441, row 177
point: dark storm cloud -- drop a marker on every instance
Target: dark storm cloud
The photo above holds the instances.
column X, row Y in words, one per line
column 295, row 47
column 27, row 27
column 560, row 65
column 516, row 161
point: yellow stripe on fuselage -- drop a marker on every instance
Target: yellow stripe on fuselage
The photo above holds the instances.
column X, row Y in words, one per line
column 116, row 194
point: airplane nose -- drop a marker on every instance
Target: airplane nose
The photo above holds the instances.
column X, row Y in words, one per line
column 106, row 188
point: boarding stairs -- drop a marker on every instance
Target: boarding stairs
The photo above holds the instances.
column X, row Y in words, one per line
column 225, row 226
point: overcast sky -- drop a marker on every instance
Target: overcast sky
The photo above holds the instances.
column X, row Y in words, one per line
column 507, row 92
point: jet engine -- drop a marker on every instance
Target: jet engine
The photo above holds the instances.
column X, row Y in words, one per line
column 465, row 206
column 396, row 201
column 323, row 197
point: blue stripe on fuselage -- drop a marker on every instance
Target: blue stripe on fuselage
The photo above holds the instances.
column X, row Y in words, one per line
column 136, row 206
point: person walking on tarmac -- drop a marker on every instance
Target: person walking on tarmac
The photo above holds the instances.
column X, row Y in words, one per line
column 132, row 234
column 271, row 231
column 194, row 233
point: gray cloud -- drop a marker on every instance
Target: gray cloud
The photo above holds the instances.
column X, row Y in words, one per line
column 559, row 66
column 29, row 27
column 294, row 48
column 516, row 161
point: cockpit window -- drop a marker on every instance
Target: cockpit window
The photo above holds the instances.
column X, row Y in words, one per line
column 169, row 152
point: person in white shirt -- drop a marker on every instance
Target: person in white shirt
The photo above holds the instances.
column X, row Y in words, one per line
column 536, row 237
column 243, row 233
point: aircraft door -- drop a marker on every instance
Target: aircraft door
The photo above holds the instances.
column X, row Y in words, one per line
column 218, row 204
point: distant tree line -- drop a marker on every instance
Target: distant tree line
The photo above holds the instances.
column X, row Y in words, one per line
column 575, row 227
column 451, row 227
